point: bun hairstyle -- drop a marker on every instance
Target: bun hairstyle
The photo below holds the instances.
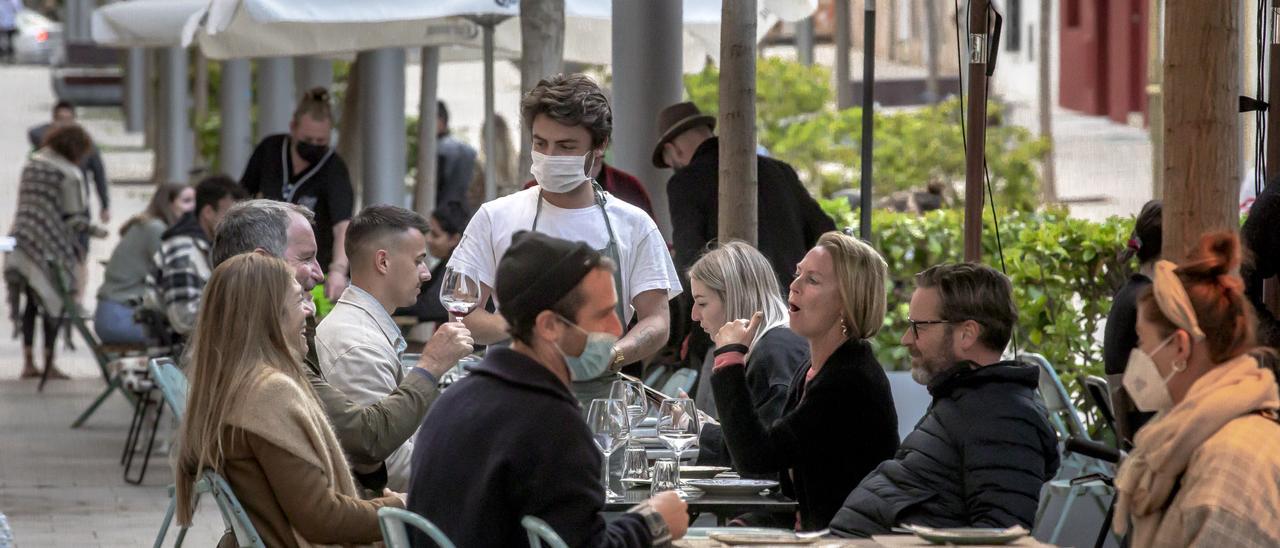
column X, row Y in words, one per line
column 1210, row 277
column 1148, row 229
column 314, row 104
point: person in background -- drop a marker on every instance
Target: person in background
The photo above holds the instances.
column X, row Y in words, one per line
column 8, row 28
column 50, row 216
column 735, row 281
column 182, row 266
column 125, row 278
column 456, row 162
column 838, row 421
column 447, row 223
column 252, row 416
column 984, row 449
column 510, row 440
column 1263, row 245
column 300, row 167
column 1120, row 336
column 1204, row 472
column 91, row 167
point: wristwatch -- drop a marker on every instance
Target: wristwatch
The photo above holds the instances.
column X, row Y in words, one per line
column 619, row 359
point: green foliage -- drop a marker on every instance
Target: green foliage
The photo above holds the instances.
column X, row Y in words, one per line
column 912, row 147
column 1064, row 273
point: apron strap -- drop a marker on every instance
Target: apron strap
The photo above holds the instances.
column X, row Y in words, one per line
column 610, row 250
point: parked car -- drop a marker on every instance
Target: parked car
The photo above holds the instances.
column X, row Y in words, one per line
column 39, row 39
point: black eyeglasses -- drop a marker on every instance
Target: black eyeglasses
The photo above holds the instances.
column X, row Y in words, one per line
column 915, row 325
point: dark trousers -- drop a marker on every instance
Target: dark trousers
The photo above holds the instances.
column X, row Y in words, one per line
column 51, row 324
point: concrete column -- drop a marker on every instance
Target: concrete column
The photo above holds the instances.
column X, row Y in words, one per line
column 310, row 72
column 75, row 26
column 176, row 129
column 425, row 190
column 646, row 78
column 804, row 40
column 234, row 99
column 135, row 89
column 382, row 125
column 276, row 98
column 490, row 178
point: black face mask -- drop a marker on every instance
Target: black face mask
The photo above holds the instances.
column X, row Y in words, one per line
column 309, row 152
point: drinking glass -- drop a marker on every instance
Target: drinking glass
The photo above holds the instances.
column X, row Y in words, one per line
column 678, row 427
column 607, row 420
column 631, row 394
column 666, row 476
column 459, row 293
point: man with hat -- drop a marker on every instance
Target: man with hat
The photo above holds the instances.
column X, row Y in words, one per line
column 509, row 440
column 790, row 220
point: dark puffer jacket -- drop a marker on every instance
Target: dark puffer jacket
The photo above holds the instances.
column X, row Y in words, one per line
column 977, row 459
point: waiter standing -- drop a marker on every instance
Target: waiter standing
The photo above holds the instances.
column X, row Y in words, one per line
column 301, row 168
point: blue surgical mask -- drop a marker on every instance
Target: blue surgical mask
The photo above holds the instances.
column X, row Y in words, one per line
column 596, row 357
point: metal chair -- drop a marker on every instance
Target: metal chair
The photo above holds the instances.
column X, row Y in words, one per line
column 172, row 384
column 395, row 522
column 1099, row 392
column 1066, row 420
column 540, row 532
column 233, row 515
column 681, row 379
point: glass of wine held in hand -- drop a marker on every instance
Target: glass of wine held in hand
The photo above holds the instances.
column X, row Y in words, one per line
column 459, row 293
column 678, row 428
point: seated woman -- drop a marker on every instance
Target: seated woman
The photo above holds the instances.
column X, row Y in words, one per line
column 253, row 417
column 1204, row 470
column 734, row 281
column 126, row 273
column 838, row 421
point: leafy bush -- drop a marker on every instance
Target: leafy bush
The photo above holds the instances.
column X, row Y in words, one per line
column 912, row 147
column 1064, row 273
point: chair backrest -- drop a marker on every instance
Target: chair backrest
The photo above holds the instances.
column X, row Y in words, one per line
column 681, row 379
column 233, row 515
column 171, row 382
column 540, row 532
column 1099, row 391
column 394, row 522
column 1057, row 401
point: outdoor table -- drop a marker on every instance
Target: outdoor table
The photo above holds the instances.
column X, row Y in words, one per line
column 722, row 507
column 885, row 541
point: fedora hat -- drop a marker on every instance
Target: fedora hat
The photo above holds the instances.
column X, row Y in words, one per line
column 673, row 121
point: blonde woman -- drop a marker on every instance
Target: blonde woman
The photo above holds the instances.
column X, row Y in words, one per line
column 734, row 281
column 253, row 417
column 838, row 421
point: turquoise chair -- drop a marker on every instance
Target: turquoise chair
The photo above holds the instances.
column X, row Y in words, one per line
column 395, row 522
column 681, row 379
column 540, row 532
column 233, row 515
column 1066, row 420
column 173, row 389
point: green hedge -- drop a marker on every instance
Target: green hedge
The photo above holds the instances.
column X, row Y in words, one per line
column 1064, row 273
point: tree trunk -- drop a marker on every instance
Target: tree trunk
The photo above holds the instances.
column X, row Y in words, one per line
column 425, row 184
column 349, row 136
column 542, row 54
column 1202, row 125
column 738, row 185
column 1155, row 96
column 844, row 86
column 1044, row 91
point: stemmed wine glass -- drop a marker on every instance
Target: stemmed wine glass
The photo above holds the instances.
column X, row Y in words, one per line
column 632, row 396
column 678, row 427
column 607, row 419
column 459, row 293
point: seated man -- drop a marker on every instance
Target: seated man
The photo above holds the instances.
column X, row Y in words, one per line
column 181, row 268
column 359, row 345
column 368, row 434
column 509, row 440
column 982, row 453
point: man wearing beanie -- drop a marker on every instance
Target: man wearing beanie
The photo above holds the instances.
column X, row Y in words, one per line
column 509, row 440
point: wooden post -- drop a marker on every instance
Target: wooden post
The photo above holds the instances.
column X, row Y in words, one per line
column 425, row 183
column 542, row 55
column 1202, row 122
column 1049, row 185
column 738, row 185
column 1155, row 95
column 975, row 131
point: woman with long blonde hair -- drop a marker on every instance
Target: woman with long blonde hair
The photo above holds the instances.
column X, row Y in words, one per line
column 252, row 416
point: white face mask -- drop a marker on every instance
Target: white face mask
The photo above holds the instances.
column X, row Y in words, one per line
column 1148, row 390
column 559, row 174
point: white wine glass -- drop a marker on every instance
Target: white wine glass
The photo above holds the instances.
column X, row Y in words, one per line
column 607, row 419
column 678, row 428
column 459, row 293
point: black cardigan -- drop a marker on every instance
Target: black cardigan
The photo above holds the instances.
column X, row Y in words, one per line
column 831, row 433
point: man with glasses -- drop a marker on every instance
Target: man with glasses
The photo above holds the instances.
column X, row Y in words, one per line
column 985, row 448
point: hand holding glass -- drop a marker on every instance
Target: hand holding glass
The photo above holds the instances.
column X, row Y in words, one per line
column 678, row 428
column 607, row 420
column 459, row 293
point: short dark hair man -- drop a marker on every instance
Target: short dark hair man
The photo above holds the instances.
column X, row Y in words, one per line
column 509, row 440
column 984, row 450
column 368, row 433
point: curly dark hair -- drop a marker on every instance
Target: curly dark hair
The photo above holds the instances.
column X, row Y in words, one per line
column 572, row 100
column 70, row 141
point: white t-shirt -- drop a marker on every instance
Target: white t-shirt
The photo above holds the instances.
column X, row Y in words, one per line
column 645, row 262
